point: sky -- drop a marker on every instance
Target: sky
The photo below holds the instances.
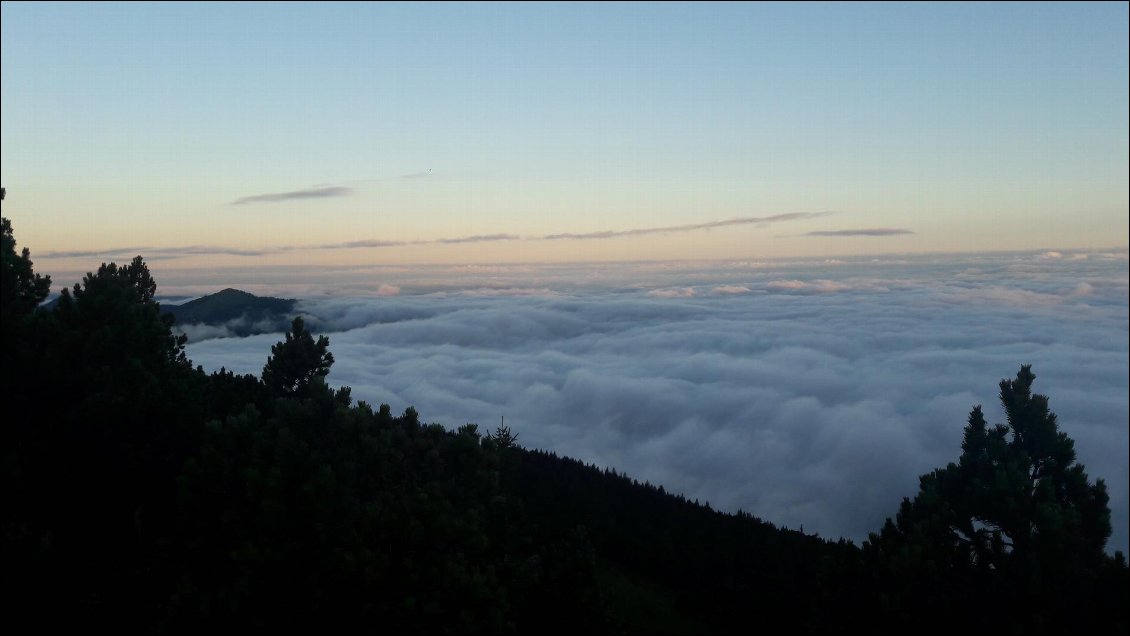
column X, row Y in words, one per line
column 245, row 135
column 810, row 393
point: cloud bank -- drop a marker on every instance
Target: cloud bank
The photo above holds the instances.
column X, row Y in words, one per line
column 815, row 399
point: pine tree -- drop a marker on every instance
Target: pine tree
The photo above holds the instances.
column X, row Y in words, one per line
column 296, row 362
column 1015, row 518
column 21, row 288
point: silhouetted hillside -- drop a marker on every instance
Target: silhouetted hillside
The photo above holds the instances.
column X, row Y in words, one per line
column 668, row 565
column 243, row 313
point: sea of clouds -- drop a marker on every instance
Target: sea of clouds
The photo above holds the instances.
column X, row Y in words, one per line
column 811, row 394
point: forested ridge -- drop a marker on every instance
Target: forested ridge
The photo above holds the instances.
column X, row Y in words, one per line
column 146, row 495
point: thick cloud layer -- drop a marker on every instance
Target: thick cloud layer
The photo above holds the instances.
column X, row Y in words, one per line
column 810, row 394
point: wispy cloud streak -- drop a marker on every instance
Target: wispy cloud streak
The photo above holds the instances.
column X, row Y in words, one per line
column 309, row 193
column 877, row 231
column 157, row 253
column 480, row 238
column 349, row 245
column 210, row 250
column 749, row 220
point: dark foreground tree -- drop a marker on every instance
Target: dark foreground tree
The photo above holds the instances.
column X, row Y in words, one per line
column 297, row 362
column 1015, row 518
column 21, row 287
column 21, row 291
column 503, row 437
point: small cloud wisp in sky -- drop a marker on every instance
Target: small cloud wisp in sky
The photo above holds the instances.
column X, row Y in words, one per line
column 749, row 220
column 160, row 253
column 479, row 238
column 309, row 193
column 878, row 231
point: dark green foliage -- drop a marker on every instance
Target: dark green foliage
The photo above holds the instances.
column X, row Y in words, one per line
column 115, row 308
column 1015, row 519
column 297, row 362
column 21, row 291
column 325, row 514
column 21, row 288
column 98, row 421
column 227, row 393
column 657, row 554
column 503, row 437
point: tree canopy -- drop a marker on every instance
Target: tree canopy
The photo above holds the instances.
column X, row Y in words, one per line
column 298, row 361
column 1015, row 515
column 21, row 287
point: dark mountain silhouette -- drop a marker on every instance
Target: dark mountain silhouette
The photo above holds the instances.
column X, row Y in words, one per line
column 243, row 313
column 240, row 311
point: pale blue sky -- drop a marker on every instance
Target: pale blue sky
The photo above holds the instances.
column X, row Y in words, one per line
column 973, row 126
